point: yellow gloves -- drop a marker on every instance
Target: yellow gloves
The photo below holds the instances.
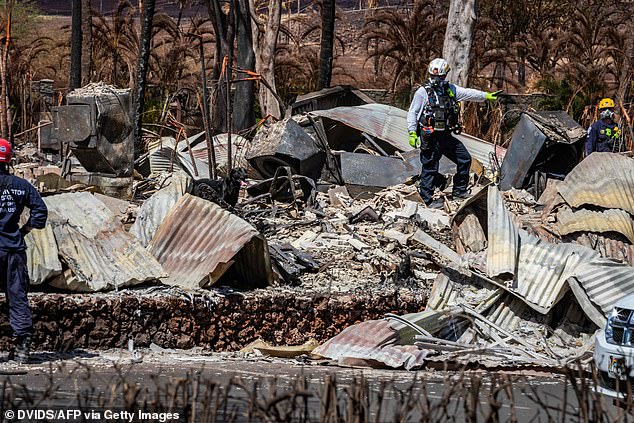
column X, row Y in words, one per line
column 414, row 141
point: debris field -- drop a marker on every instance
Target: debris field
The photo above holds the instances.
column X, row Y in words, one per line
column 325, row 237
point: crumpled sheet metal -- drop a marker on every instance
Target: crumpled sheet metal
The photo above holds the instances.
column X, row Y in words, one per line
column 606, row 245
column 613, row 220
column 198, row 241
column 539, row 269
column 604, row 282
column 480, row 149
column 163, row 157
column 375, row 340
column 41, row 255
column 503, row 237
column 384, row 122
column 544, row 271
column 601, row 179
column 95, row 246
column 155, row 208
column 389, row 123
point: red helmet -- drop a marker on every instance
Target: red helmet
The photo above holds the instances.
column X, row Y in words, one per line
column 5, row 151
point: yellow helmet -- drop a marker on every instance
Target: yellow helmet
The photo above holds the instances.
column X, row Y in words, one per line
column 606, row 103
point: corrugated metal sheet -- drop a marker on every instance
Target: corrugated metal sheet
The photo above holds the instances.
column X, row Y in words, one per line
column 543, row 271
column 605, row 281
column 539, row 269
column 95, row 246
column 606, row 245
column 442, row 294
column 613, row 220
column 42, row 256
column 198, row 241
column 390, row 124
column 601, row 179
column 162, row 158
column 379, row 120
column 481, row 150
column 373, row 340
column 503, row 236
column 155, row 208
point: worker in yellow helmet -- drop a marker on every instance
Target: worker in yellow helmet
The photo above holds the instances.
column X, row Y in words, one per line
column 603, row 134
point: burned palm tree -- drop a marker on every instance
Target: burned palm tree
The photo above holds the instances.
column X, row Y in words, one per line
column 297, row 57
column 405, row 40
column 116, row 45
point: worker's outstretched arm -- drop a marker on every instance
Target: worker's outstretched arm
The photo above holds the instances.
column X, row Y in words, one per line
column 469, row 94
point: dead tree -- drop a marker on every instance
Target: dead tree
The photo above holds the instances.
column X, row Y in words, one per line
column 244, row 115
column 147, row 17
column 326, row 51
column 224, row 30
column 75, row 46
column 458, row 39
column 265, row 40
column 86, row 44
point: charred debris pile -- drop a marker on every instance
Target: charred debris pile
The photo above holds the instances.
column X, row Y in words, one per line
column 522, row 273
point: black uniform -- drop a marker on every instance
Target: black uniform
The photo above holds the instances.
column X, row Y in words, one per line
column 16, row 194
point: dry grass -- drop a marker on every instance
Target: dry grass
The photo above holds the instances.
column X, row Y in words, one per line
column 464, row 396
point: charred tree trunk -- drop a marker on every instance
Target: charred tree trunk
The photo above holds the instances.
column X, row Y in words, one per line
column 147, row 17
column 244, row 115
column 625, row 79
column 265, row 39
column 326, row 51
column 224, row 29
column 458, row 39
column 86, row 46
column 75, row 46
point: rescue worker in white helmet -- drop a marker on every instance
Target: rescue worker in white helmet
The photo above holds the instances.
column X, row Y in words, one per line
column 432, row 120
column 605, row 132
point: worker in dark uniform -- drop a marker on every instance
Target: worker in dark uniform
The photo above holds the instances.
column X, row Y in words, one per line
column 16, row 194
column 603, row 134
column 432, row 119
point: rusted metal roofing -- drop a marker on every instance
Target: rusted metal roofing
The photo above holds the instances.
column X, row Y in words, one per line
column 606, row 245
column 613, row 220
column 198, row 242
column 95, row 246
column 373, row 340
column 42, row 256
column 601, row 179
column 155, row 208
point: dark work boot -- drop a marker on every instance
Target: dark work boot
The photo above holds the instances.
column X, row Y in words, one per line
column 21, row 349
column 436, row 204
column 461, row 195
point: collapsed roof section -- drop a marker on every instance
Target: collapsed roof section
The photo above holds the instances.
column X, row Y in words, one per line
column 544, row 145
column 198, row 241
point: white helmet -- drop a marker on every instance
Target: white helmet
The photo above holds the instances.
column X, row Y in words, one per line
column 438, row 67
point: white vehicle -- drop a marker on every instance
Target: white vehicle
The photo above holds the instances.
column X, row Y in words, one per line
column 614, row 350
